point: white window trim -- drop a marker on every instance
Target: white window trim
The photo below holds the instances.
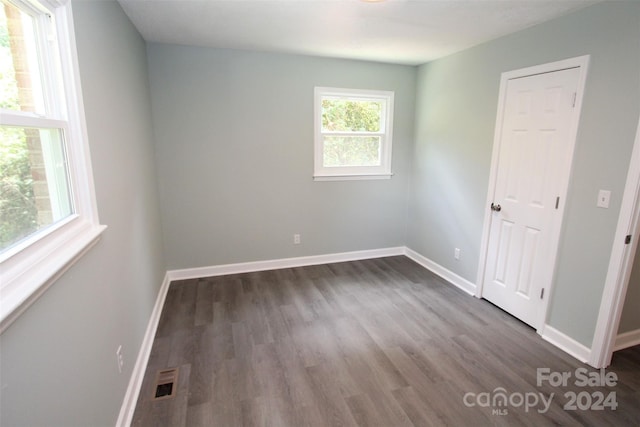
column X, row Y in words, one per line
column 28, row 269
column 346, row 173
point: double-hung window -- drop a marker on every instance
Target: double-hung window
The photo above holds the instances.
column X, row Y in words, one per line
column 48, row 214
column 352, row 134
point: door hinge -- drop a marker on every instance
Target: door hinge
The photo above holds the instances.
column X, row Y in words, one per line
column 575, row 96
column 557, row 202
column 627, row 239
column 541, row 293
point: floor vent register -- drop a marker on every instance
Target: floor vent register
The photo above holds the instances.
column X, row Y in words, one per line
column 166, row 383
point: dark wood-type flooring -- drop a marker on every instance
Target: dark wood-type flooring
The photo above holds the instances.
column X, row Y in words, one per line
column 379, row 342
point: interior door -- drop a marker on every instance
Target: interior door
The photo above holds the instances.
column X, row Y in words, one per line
column 534, row 142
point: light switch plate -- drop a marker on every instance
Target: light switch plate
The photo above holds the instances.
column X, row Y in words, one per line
column 603, row 199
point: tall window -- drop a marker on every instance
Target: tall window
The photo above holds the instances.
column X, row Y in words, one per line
column 47, row 208
column 352, row 134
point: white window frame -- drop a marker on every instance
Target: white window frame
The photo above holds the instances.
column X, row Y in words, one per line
column 341, row 173
column 30, row 267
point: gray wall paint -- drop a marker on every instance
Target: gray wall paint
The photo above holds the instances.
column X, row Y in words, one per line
column 234, row 134
column 455, row 117
column 57, row 360
column 630, row 320
column 235, row 161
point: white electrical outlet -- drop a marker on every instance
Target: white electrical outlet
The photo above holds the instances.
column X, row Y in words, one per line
column 456, row 253
column 119, row 358
column 296, row 239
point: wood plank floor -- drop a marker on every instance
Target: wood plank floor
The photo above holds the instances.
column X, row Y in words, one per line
column 379, row 342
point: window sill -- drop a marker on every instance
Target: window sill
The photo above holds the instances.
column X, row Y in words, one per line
column 24, row 280
column 358, row 177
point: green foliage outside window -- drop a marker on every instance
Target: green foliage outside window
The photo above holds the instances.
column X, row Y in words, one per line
column 351, row 151
column 18, row 213
column 351, row 116
column 346, row 116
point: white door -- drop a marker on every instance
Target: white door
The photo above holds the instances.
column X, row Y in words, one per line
column 535, row 141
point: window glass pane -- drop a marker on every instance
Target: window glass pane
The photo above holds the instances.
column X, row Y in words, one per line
column 345, row 115
column 20, row 82
column 351, row 151
column 34, row 182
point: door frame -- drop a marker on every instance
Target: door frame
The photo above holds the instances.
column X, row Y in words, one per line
column 620, row 265
column 581, row 62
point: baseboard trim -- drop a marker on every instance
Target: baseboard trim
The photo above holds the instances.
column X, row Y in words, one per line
column 448, row 275
column 248, row 267
column 548, row 333
column 137, row 375
column 565, row 343
column 627, row 339
column 135, row 382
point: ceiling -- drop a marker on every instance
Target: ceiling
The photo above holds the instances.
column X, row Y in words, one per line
column 395, row 31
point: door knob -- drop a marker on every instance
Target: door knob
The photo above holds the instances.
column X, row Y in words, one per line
column 496, row 208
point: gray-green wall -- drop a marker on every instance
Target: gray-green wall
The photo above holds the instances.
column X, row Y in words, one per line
column 234, row 135
column 234, row 139
column 57, row 360
column 455, row 117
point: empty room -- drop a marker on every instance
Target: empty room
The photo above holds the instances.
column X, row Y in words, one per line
column 319, row 212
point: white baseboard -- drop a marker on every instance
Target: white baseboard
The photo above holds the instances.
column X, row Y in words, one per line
column 627, row 339
column 566, row 343
column 127, row 410
column 247, row 267
column 548, row 333
column 448, row 275
column 135, row 382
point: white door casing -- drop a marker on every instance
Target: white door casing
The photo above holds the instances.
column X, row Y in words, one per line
column 538, row 114
column 620, row 265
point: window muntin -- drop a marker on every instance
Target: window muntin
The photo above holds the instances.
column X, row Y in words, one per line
column 42, row 126
column 353, row 133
